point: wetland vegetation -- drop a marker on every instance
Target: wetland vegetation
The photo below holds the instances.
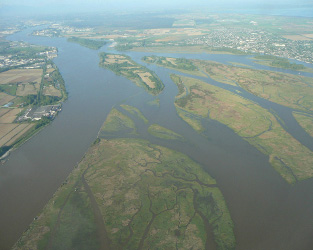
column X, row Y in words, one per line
column 131, row 194
column 250, row 121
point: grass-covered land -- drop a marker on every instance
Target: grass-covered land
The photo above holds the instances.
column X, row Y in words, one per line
column 136, row 112
column 131, row 194
column 181, row 64
column 279, row 62
column 285, row 89
column 91, row 44
column 140, row 75
column 117, row 123
column 155, row 102
column 164, row 133
column 147, row 196
column 305, row 121
column 250, row 121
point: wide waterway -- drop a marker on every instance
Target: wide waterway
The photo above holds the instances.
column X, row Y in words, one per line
column 267, row 212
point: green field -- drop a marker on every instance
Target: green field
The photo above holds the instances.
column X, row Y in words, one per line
column 131, row 194
column 140, row 75
column 250, row 121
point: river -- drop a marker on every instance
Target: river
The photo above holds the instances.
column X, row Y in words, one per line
column 267, row 212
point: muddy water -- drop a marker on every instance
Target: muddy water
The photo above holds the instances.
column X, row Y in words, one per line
column 267, row 212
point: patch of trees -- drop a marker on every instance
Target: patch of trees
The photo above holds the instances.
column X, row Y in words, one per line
column 280, row 62
column 180, row 63
column 42, row 122
column 4, row 149
column 92, row 44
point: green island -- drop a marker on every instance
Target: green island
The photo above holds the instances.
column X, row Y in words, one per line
column 305, row 121
column 89, row 43
column 278, row 62
column 155, row 102
column 117, row 123
column 140, row 75
column 285, row 89
column 164, row 133
column 136, row 112
column 131, row 194
column 180, row 64
column 289, row 157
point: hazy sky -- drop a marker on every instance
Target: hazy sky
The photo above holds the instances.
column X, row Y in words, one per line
column 55, row 6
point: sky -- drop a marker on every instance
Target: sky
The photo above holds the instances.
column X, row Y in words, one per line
column 75, row 6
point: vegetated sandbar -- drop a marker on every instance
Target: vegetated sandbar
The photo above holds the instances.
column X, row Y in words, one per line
column 305, row 121
column 134, row 111
column 131, row 194
column 164, row 133
column 89, row 43
column 250, row 121
column 289, row 90
column 180, row 64
column 140, row 75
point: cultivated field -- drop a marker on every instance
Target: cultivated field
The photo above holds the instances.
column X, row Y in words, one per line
column 21, row 76
column 27, row 89
column 5, row 98
column 52, row 91
column 140, row 75
column 14, row 134
column 9, row 116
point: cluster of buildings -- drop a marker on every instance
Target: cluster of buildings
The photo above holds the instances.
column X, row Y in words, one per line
column 58, row 29
column 36, row 113
column 256, row 41
column 11, row 59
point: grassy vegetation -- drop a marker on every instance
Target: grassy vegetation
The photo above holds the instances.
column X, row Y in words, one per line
column 117, row 123
column 149, row 197
column 136, row 112
column 154, row 102
column 140, row 75
column 225, row 50
column 285, row 89
column 250, row 121
column 191, row 119
column 240, row 64
column 279, row 62
column 91, row 44
column 305, row 121
column 180, row 64
column 10, row 89
column 164, row 133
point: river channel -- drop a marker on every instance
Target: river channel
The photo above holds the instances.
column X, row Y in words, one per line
column 267, row 212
